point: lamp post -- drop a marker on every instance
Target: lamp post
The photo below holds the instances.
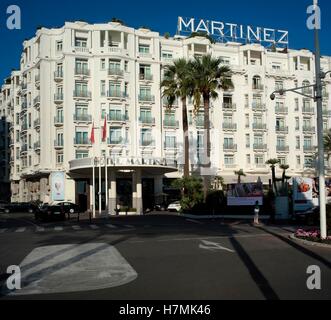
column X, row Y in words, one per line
column 318, row 99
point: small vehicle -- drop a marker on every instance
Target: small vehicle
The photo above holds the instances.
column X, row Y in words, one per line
column 21, row 207
column 310, row 217
column 3, row 204
column 175, row 207
column 160, row 207
column 57, row 211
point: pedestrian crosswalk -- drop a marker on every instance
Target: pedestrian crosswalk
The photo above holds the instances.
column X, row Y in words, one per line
column 58, row 229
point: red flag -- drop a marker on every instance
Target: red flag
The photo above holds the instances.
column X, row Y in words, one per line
column 92, row 135
column 104, row 130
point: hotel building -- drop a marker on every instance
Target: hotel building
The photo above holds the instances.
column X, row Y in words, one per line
column 71, row 78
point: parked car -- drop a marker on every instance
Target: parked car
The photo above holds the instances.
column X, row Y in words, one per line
column 3, row 205
column 175, row 207
column 59, row 210
column 310, row 217
column 160, row 207
column 21, row 207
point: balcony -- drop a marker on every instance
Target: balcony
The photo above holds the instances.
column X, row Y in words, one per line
column 281, row 110
column 308, row 110
column 24, row 127
column 166, row 103
column 58, row 75
column 82, row 49
column 37, row 80
column 258, row 87
column 325, row 95
column 118, row 118
column 36, row 146
column 116, row 94
column 260, row 147
column 147, row 142
column 58, row 121
column 307, row 91
column 259, row 127
column 229, row 127
column 82, row 118
column 36, row 123
column 116, row 141
column 115, row 72
column 326, row 113
column 82, row 142
column 145, row 77
column 58, row 97
column 24, row 148
column 282, row 129
column 169, row 146
column 229, row 107
column 230, row 147
column 308, row 129
column 198, row 122
column 58, row 144
column 282, row 148
column 146, row 98
column 82, row 94
column 258, row 107
column 171, row 124
column 24, row 106
column 309, row 149
column 36, row 101
column 85, row 72
column 147, row 120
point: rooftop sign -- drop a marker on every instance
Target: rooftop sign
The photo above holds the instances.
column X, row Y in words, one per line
column 225, row 32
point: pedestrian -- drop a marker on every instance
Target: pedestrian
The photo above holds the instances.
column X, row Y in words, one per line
column 256, row 213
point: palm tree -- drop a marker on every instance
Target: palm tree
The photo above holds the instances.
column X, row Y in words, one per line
column 273, row 163
column 209, row 76
column 178, row 83
column 285, row 178
column 240, row 174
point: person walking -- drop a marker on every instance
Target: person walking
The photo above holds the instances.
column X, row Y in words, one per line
column 256, row 213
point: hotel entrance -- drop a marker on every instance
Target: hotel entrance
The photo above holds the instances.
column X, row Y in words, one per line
column 83, row 194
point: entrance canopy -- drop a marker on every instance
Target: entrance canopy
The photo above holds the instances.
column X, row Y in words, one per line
column 148, row 166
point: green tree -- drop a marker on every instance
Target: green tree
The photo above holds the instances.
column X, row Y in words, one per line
column 178, row 84
column 193, row 192
column 209, row 77
column 272, row 163
column 240, row 174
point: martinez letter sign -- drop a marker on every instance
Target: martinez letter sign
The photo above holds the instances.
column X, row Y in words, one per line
column 224, row 32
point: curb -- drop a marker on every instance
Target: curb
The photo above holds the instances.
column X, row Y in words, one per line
column 246, row 217
column 309, row 243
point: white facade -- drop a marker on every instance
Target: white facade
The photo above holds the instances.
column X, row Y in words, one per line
column 72, row 77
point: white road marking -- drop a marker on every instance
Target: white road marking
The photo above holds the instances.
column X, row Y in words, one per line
column 3, row 230
column 76, row 228
column 20, row 230
column 212, row 246
column 94, row 227
column 58, row 228
column 194, row 221
column 111, row 226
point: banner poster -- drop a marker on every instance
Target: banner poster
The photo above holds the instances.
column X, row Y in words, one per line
column 245, row 194
column 303, row 191
column 57, row 186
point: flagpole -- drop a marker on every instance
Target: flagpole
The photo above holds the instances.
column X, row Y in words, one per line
column 93, row 188
column 106, row 163
column 100, row 186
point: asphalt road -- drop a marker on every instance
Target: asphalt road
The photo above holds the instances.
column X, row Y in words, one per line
column 158, row 257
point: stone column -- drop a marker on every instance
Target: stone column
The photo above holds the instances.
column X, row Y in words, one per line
column 113, row 193
column 139, row 192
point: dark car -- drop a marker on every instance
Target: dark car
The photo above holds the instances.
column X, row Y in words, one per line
column 58, row 211
column 3, row 205
column 310, row 217
column 21, row 207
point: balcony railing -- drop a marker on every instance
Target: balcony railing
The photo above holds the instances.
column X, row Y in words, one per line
column 24, row 127
column 308, row 110
column 147, row 143
column 258, row 87
column 258, row 107
column 82, row 142
column 229, row 106
column 281, row 110
column 147, row 77
column 36, row 145
column 36, row 123
column 147, row 120
column 58, row 75
column 165, row 102
column 308, row 129
column 307, row 91
column 58, row 143
column 326, row 113
column 260, row 147
column 230, row 126
column 259, row 126
column 146, row 98
column 309, row 149
column 116, row 141
column 282, row 148
column 115, row 72
column 168, row 145
column 282, row 129
column 24, row 105
column 36, row 101
column 82, row 118
column 82, row 72
column 82, row 94
column 171, row 123
column 325, row 95
column 116, row 94
column 117, row 117
column 58, row 120
column 58, row 97
column 24, row 148
column 230, row 147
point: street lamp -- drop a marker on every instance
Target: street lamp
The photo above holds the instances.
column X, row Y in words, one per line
column 319, row 99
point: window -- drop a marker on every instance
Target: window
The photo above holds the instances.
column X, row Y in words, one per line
column 228, row 143
column 296, row 104
column 145, row 72
column 247, row 120
column 298, row 161
column 59, row 46
column 248, row 159
column 246, row 101
column 102, row 38
column 280, row 142
column 166, row 55
column 146, row 137
column 309, row 162
column 276, row 67
column 115, row 114
column 259, row 160
column 81, row 89
column 298, row 144
column 59, row 157
column 103, row 88
column 145, row 116
column 115, row 135
column 81, row 66
column 103, row 64
column 258, row 140
column 307, row 143
column 81, row 42
column 115, row 89
column 297, row 124
column 81, row 111
column 59, row 115
column 282, row 160
column 145, row 92
column 170, row 141
column 229, row 160
column 82, row 154
column 143, row 48
column 82, row 137
column 225, row 60
column 59, row 139
column 248, row 141
column 126, row 66
column 279, row 85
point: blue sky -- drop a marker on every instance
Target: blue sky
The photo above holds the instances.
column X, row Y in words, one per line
column 161, row 16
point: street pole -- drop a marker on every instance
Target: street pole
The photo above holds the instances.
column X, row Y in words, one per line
column 100, row 187
column 93, row 188
column 321, row 164
column 106, row 182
